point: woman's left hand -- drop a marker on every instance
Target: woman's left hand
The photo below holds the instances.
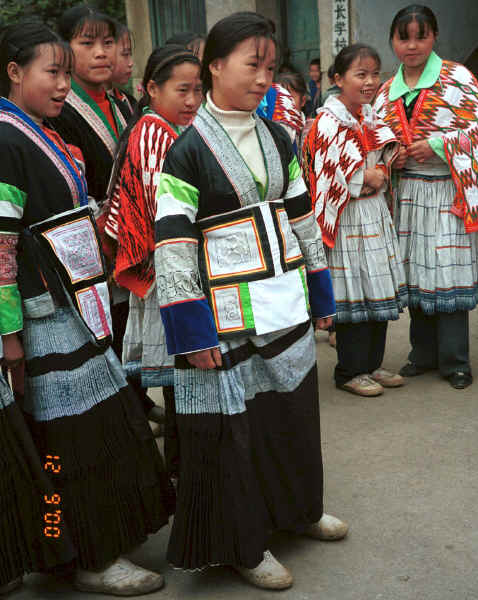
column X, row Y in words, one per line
column 420, row 151
column 324, row 323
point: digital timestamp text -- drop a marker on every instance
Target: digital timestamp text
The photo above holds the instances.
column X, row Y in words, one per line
column 52, row 518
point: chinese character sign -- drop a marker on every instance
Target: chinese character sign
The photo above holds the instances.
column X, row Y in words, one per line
column 340, row 32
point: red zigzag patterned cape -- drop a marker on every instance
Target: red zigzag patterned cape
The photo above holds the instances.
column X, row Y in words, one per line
column 285, row 111
column 333, row 150
column 130, row 215
column 449, row 109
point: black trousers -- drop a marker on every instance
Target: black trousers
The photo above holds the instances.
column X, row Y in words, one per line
column 360, row 348
column 440, row 341
column 119, row 317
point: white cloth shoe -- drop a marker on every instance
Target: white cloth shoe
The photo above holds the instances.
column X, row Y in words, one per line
column 387, row 378
column 269, row 574
column 122, row 578
column 328, row 529
column 363, row 385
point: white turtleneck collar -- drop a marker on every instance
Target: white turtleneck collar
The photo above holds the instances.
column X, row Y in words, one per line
column 230, row 118
column 241, row 128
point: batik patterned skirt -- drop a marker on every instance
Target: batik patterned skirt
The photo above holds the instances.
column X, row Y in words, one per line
column 145, row 358
column 145, row 354
column 439, row 257
column 365, row 264
column 106, row 466
column 250, row 460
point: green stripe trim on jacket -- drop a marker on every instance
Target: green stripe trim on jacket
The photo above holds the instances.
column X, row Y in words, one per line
column 294, row 169
column 10, row 193
column 179, row 189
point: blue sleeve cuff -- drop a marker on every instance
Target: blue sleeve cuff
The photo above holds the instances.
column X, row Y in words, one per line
column 321, row 293
column 189, row 326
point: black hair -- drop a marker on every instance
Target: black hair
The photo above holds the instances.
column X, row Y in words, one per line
column 228, row 33
column 123, row 30
column 295, row 81
column 331, row 72
column 419, row 13
column 159, row 68
column 85, row 19
column 188, row 39
column 315, row 61
column 347, row 55
column 287, row 67
column 19, row 43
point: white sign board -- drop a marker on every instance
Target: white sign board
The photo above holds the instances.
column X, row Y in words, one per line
column 340, row 30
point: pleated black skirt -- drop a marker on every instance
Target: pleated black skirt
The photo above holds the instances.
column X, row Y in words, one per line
column 92, row 436
column 24, row 486
column 250, row 450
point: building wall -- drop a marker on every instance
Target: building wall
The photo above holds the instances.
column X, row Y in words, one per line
column 217, row 10
column 137, row 14
column 271, row 10
column 325, row 27
column 369, row 19
column 457, row 22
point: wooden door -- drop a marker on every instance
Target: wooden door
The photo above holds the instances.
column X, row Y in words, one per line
column 175, row 16
column 300, row 31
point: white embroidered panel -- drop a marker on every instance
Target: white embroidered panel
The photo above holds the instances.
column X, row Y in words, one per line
column 94, row 304
column 233, row 249
column 76, row 246
column 229, row 313
column 291, row 245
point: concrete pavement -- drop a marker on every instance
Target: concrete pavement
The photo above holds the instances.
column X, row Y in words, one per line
column 402, row 469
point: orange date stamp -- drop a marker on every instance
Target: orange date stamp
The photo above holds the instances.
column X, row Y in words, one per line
column 53, row 516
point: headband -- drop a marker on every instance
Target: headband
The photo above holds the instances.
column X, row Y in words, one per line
column 170, row 59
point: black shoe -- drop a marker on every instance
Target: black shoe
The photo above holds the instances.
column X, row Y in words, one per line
column 412, row 370
column 460, row 380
